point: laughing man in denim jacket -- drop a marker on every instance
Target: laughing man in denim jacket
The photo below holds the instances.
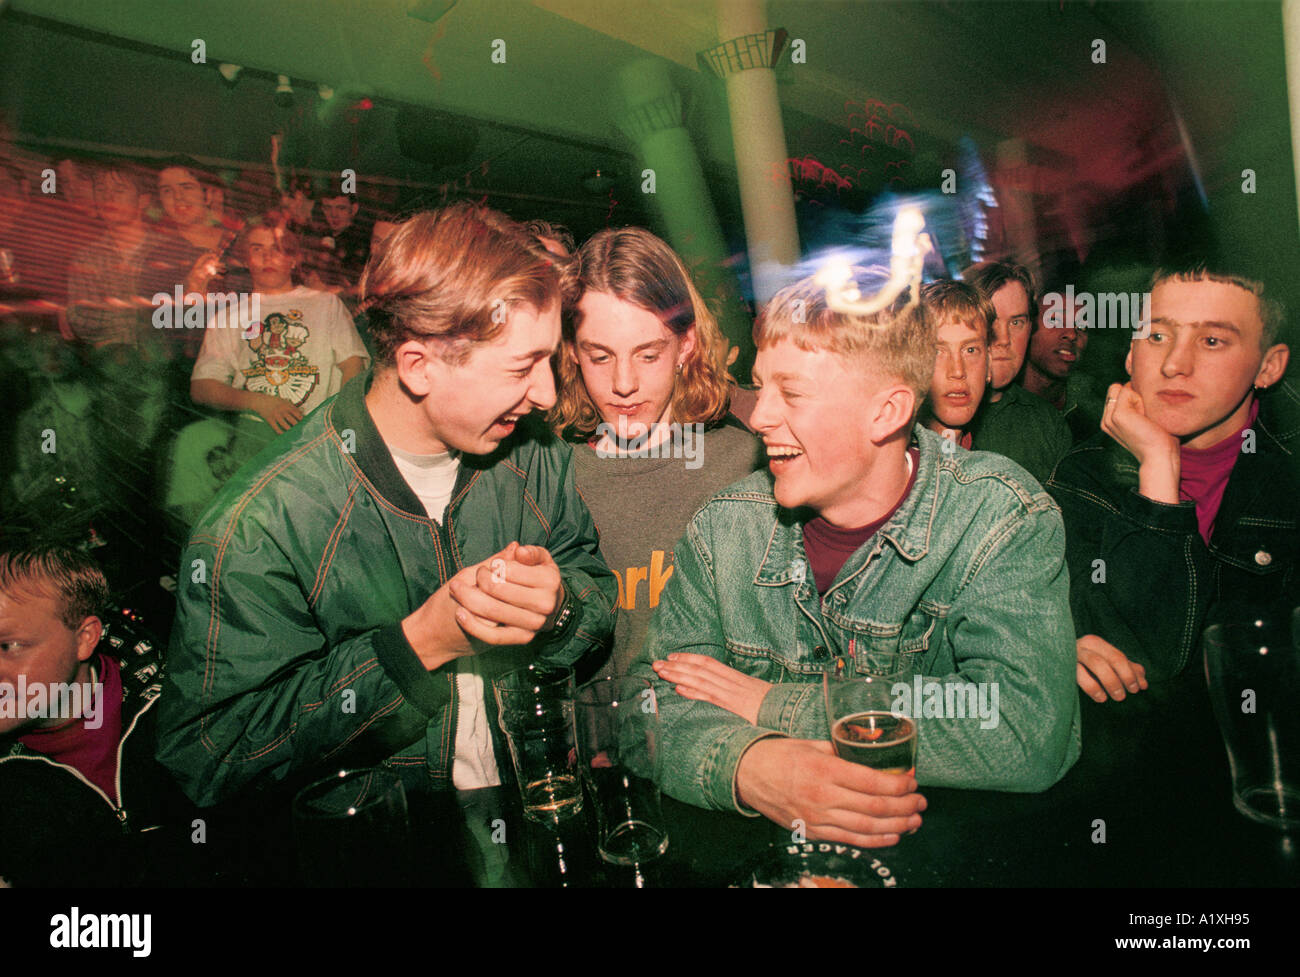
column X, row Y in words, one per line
column 871, row 529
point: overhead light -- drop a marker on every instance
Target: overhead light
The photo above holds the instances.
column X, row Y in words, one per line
column 325, row 92
column 230, row 72
column 597, row 182
column 283, row 91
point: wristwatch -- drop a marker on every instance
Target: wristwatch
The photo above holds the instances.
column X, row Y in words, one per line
column 562, row 614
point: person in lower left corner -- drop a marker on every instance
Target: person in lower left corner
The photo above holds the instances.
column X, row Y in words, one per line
column 79, row 783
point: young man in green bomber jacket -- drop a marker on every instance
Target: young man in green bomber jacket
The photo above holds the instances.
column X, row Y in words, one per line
column 349, row 596
column 873, row 535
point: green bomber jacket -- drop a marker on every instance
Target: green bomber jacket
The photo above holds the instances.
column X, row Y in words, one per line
column 287, row 655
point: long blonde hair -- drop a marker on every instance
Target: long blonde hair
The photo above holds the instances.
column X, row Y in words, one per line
column 634, row 265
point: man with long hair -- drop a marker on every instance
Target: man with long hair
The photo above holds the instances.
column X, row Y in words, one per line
column 644, row 390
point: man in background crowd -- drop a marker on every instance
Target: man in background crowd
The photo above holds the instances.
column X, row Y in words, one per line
column 1013, row 422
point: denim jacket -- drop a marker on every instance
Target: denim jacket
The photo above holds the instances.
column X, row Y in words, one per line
column 967, row 579
column 1141, row 576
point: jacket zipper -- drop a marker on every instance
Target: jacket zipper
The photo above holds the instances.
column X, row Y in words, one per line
column 118, row 813
column 443, row 531
column 119, row 809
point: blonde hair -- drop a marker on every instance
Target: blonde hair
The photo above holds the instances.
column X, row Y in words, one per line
column 947, row 301
column 443, row 274
column 634, row 265
column 71, row 578
column 897, row 341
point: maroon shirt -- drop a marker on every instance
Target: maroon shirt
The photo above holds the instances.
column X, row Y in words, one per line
column 829, row 547
column 93, row 752
column 1205, row 472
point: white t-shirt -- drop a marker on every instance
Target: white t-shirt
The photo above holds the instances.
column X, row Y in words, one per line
column 432, row 478
column 292, row 351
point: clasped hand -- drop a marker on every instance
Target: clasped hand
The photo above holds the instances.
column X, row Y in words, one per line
column 503, row 600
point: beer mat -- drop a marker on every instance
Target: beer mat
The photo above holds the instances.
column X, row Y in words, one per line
column 816, row 865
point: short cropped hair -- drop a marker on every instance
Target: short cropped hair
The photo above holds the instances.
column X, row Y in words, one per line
column 897, row 341
column 947, row 300
column 634, row 265
column 441, row 275
column 277, row 223
column 990, row 276
column 70, row 577
column 1272, row 313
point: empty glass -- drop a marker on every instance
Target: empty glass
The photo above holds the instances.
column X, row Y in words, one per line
column 535, row 711
column 618, row 728
column 1253, row 670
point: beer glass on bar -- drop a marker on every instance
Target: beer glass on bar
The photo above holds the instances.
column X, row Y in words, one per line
column 535, row 711
column 865, row 726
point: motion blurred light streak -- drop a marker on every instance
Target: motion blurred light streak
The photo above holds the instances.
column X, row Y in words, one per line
column 907, row 259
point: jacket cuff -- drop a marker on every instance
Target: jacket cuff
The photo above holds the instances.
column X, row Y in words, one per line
column 782, row 702
column 408, row 673
column 723, row 764
column 1160, row 516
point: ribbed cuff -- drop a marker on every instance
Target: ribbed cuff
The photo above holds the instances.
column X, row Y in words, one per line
column 404, row 667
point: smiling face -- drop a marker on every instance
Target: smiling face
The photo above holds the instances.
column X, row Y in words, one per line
column 475, row 405
column 35, row 643
column 817, row 415
column 182, row 196
column 960, row 373
column 268, row 262
column 1195, row 370
column 1010, row 333
column 628, row 360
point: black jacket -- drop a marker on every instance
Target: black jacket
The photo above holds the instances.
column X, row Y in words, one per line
column 1142, row 578
column 59, row 829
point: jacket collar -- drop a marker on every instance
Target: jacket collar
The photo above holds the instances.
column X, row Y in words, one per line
column 908, row 530
column 350, row 420
column 1279, row 416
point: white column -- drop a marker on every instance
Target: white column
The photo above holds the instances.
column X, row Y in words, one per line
column 766, row 196
column 1291, row 37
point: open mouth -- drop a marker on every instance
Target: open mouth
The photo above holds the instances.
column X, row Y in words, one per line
column 507, row 422
column 781, row 456
column 1068, row 355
